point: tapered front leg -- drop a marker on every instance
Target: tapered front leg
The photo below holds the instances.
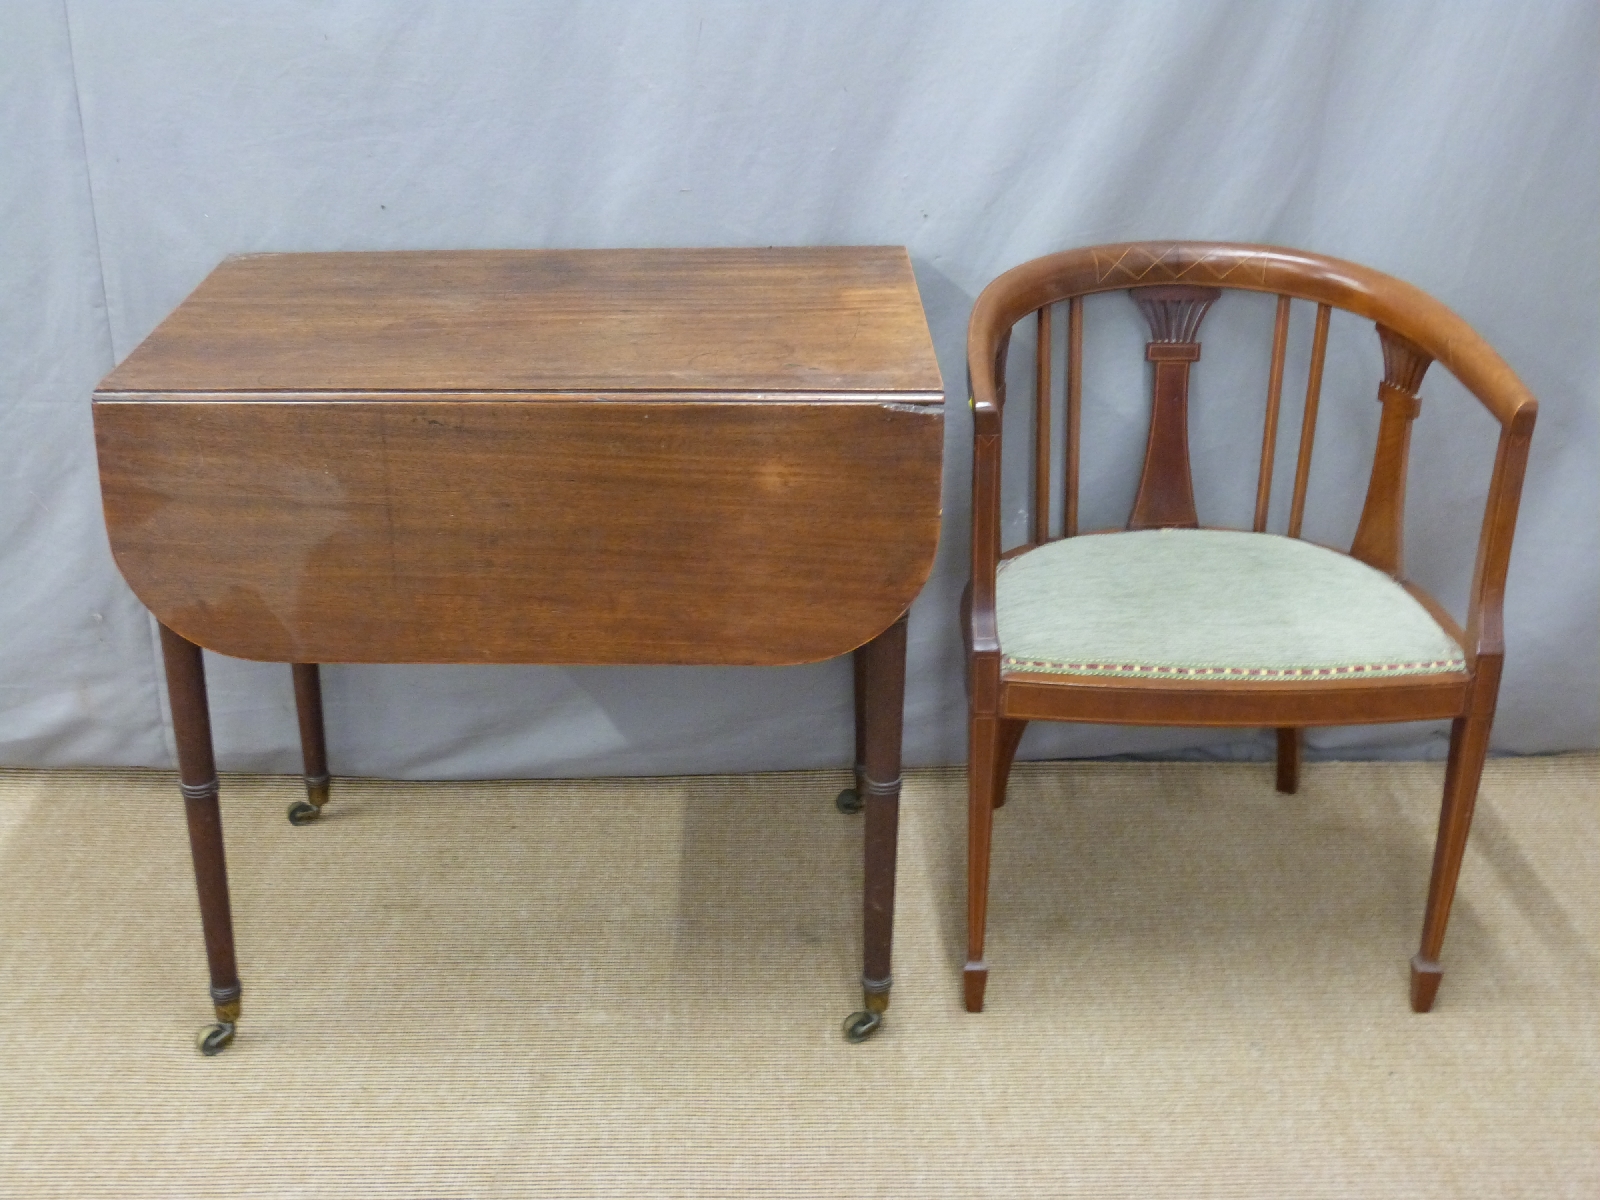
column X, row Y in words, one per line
column 313, row 743
column 881, row 713
column 197, row 768
column 983, row 751
column 1469, row 744
column 1010, row 738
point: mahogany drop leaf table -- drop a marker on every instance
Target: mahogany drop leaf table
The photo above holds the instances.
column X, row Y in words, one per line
column 531, row 456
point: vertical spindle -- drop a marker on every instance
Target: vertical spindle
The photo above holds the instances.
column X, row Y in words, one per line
column 1308, row 423
column 1269, row 432
column 1041, row 434
column 1074, row 411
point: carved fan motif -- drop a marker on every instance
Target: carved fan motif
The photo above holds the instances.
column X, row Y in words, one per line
column 1174, row 313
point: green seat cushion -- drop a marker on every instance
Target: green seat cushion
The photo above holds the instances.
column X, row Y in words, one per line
column 1211, row 603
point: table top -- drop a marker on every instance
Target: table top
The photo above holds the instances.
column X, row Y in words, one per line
column 609, row 456
column 749, row 323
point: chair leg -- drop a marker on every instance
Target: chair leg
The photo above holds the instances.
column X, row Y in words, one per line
column 983, row 753
column 1010, row 735
column 1469, row 744
column 1288, row 760
column 313, row 743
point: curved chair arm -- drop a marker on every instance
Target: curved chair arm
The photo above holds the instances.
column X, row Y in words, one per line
column 1407, row 310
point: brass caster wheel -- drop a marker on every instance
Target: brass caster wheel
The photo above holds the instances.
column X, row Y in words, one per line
column 848, row 801
column 214, row 1039
column 303, row 813
column 859, row 1026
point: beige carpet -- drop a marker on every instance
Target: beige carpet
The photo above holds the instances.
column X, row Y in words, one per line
column 634, row 988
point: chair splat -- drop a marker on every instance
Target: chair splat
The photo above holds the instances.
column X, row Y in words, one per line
column 1166, row 488
column 1379, row 536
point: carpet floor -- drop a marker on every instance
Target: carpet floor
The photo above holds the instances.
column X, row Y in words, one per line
column 635, row 988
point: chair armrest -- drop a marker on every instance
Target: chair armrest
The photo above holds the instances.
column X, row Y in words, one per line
column 985, row 540
column 1485, row 609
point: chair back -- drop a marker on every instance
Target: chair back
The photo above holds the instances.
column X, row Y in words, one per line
column 1174, row 284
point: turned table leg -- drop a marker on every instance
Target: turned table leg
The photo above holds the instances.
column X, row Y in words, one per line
column 197, row 769
column 313, row 743
column 880, row 714
column 850, row 800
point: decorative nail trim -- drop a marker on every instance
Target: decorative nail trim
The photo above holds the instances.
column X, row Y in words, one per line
column 1439, row 666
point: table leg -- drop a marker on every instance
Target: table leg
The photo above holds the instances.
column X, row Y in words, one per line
column 880, row 713
column 313, row 743
column 849, row 800
column 197, row 769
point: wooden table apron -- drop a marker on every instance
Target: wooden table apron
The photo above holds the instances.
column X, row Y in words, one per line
column 637, row 525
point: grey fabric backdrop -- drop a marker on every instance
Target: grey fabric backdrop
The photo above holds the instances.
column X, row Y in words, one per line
column 1452, row 143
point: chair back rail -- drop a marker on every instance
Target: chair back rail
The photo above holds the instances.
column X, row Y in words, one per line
column 1174, row 284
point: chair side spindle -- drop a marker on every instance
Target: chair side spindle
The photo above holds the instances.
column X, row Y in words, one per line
column 1041, row 433
column 1308, row 423
column 1269, row 431
column 1069, row 519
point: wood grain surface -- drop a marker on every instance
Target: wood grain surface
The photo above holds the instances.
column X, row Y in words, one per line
column 427, row 530
column 820, row 319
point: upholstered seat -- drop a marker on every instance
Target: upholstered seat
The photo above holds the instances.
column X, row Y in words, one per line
column 1200, row 603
